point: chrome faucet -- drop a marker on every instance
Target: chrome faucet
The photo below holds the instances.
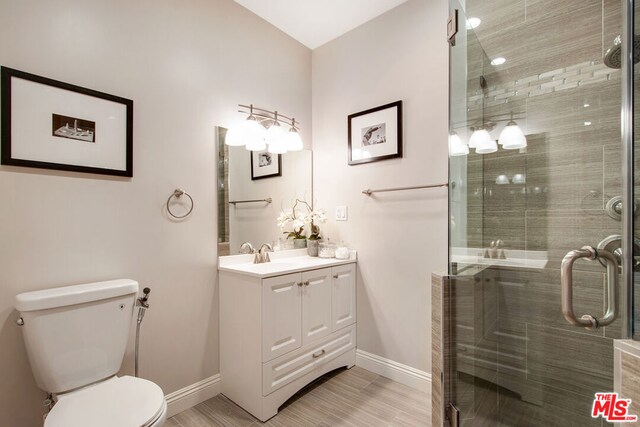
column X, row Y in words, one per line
column 262, row 255
column 495, row 251
column 247, row 248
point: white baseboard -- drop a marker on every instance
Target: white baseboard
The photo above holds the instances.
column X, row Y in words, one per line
column 191, row 395
column 403, row 374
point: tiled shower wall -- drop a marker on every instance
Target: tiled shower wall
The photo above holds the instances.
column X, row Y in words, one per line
column 515, row 352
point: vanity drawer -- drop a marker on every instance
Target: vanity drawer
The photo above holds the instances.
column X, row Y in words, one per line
column 281, row 371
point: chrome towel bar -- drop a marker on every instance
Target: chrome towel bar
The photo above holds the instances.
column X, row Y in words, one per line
column 267, row 200
column 369, row 192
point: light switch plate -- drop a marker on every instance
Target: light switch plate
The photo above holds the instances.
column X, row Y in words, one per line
column 341, row 213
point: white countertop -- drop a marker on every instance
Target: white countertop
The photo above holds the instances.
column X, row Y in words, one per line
column 282, row 262
column 514, row 258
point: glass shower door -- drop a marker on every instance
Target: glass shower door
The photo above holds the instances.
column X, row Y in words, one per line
column 518, row 208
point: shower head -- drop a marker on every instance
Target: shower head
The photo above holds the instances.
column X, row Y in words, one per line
column 613, row 55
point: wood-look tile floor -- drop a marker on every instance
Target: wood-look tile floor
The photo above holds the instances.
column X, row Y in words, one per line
column 353, row 397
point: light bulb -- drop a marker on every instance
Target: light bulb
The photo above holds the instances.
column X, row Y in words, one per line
column 293, row 142
column 456, row 146
column 512, row 137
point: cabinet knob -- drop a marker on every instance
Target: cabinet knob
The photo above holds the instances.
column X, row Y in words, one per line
column 306, row 283
column 299, row 284
column 336, row 276
column 318, row 354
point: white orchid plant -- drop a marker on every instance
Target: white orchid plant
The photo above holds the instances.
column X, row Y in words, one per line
column 299, row 218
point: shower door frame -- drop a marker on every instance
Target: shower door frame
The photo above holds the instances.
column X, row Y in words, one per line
column 628, row 220
column 626, row 123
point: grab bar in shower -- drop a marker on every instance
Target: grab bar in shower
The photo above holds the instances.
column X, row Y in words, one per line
column 267, row 200
column 369, row 192
column 566, row 278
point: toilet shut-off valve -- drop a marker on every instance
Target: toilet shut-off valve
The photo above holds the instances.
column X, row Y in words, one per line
column 143, row 305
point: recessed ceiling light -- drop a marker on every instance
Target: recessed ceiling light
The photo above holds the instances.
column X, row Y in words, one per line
column 498, row 61
column 586, row 105
column 587, row 123
column 473, row 23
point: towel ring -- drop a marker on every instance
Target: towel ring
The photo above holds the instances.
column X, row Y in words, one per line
column 177, row 194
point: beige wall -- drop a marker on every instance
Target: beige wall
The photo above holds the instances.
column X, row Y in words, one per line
column 400, row 237
column 186, row 65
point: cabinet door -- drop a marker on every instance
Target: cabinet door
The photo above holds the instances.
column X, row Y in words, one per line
column 281, row 315
column 343, row 296
column 316, row 305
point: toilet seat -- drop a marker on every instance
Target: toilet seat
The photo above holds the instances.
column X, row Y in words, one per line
column 119, row 401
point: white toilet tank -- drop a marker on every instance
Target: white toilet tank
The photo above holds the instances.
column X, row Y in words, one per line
column 77, row 335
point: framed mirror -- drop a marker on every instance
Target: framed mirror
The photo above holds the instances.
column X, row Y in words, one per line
column 253, row 188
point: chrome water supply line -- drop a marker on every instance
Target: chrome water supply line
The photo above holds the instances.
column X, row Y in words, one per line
column 142, row 305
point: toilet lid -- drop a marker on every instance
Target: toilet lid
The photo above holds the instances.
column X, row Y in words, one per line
column 123, row 402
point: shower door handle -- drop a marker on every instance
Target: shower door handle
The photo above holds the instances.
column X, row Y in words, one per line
column 566, row 277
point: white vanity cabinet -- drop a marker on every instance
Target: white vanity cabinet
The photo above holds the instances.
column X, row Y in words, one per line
column 280, row 332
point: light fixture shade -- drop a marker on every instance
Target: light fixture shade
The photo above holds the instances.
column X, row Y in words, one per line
column 235, row 136
column 256, row 145
column 502, row 180
column 293, row 142
column 456, row 146
column 487, row 147
column 519, row 178
column 253, row 135
column 478, row 136
column 512, row 137
column 277, row 147
column 482, row 142
column 275, row 134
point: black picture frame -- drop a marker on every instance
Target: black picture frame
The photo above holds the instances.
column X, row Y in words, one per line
column 389, row 131
column 119, row 135
column 274, row 168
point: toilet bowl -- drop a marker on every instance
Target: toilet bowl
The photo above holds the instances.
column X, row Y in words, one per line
column 76, row 337
column 117, row 401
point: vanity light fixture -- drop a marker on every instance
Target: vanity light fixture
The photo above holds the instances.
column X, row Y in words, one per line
column 252, row 132
column 512, row 137
column 502, row 180
column 456, row 146
column 293, row 141
column 235, row 137
column 519, row 178
column 254, row 135
column 483, row 143
column 275, row 132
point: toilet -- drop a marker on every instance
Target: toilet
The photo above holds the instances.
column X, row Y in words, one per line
column 76, row 337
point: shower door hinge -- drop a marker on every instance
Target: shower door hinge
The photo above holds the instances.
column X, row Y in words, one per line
column 452, row 414
column 452, row 27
